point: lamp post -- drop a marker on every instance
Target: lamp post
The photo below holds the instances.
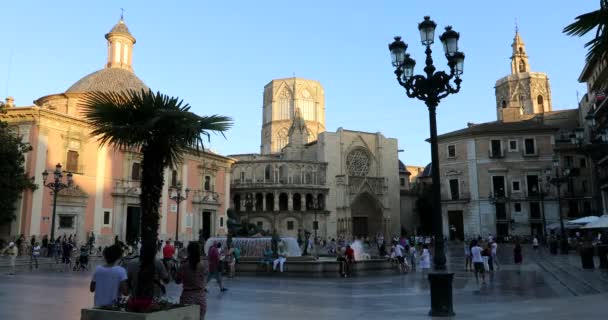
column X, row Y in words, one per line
column 176, row 195
column 431, row 89
column 56, row 185
column 557, row 180
column 248, row 207
column 315, row 224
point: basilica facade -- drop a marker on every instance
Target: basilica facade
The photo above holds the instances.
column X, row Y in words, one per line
column 104, row 198
column 343, row 183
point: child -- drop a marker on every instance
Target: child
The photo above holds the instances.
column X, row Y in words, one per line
column 109, row 281
column 425, row 258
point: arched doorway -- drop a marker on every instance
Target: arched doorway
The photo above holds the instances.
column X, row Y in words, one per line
column 366, row 214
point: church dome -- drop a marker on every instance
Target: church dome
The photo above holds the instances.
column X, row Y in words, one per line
column 108, row 80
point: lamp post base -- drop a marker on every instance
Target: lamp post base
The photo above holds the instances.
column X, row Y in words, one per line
column 564, row 246
column 441, row 294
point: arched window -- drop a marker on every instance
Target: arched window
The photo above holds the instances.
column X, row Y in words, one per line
column 268, row 173
column 540, row 102
column 522, row 66
column 237, row 202
column 320, row 202
column 282, row 139
column 285, row 105
column 269, row 202
column 521, row 50
column 259, row 202
column 283, row 174
column 207, row 185
column 307, row 106
column 283, row 201
column 504, row 104
column 309, row 201
column 297, row 202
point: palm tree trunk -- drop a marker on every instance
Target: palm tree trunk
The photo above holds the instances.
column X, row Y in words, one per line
column 151, row 187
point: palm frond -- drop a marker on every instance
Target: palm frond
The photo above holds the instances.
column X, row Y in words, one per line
column 148, row 119
column 587, row 22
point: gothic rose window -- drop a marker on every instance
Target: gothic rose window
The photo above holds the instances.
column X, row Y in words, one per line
column 357, row 163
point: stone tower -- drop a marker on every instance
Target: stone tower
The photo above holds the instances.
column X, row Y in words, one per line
column 523, row 93
column 282, row 97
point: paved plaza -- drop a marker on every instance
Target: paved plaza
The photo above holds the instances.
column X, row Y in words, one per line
column 546, row 286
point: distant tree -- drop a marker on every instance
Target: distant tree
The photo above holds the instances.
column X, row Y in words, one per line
column 13, row 178
column 584, row 23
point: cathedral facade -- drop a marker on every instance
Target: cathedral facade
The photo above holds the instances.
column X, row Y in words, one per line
column 343, row 183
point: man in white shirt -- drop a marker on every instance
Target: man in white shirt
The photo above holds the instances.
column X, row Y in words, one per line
column 399, row 255
column 478, row 262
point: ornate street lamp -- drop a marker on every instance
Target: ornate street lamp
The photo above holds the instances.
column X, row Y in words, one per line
column 175, row 194
column 56, row 185
column 431, row 88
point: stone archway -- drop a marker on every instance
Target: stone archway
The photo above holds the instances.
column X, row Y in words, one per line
column 366, row 213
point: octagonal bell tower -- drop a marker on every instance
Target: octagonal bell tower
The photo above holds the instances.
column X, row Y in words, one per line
column 282, row 97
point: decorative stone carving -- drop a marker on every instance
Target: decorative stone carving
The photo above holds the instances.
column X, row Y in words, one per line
column 358, row 163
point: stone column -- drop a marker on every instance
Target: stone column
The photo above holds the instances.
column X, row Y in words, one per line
column 290, row 201
column 264, row 202
column 303, row 202
column 243, row 205
column 276, row 202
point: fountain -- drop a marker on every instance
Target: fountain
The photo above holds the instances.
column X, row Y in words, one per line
column 254, row 246
column 360, row 253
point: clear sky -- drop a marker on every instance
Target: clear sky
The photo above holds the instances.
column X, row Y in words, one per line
column 218, row 55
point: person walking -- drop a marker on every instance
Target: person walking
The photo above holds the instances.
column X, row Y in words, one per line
column 468, row 265
column 215, row 271
column 35, row 255
column 192, row 275
column 349, row 254
column 413, row 256
column 400, row 257
column 230, row 260
column 494, row 250
column 12, row 253
column 517, row 255
column 425, row 258
column 477, row 261
column 535, row 244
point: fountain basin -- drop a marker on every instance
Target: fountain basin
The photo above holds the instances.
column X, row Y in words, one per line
column 254, row 246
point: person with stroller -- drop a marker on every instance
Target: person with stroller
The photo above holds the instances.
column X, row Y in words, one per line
column 83, row 259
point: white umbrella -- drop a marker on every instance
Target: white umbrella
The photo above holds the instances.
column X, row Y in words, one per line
column 584, row 220
column 600, row 223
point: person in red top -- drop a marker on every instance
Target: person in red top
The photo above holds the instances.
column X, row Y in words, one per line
column 168, row 252
column 214, row 265
column 350, row 259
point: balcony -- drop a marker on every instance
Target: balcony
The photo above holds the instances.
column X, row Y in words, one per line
column 496, row 153
column 250, row 184
column 462, row 197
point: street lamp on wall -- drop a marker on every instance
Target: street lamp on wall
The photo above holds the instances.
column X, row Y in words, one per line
column 56, row 185
column 175, row 194
column 431, row 88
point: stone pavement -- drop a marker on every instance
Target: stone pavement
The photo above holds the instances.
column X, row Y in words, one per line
column 537, row 292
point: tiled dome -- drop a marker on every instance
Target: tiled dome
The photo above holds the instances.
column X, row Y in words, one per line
column 108, row 79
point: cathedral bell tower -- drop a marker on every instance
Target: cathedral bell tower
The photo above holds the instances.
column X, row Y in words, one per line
column 523, row 93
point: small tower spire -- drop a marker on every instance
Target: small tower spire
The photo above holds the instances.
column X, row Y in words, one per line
column 120, row 46
column 519, row 59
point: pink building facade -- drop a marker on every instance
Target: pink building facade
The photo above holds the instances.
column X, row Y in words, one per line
column 104, row 198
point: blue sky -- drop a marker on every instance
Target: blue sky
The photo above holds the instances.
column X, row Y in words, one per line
column 218, row 55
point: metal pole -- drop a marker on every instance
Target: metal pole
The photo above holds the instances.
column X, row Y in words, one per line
column 437, row 218
column 177, row 200
column 564, row 240
column 55, row 191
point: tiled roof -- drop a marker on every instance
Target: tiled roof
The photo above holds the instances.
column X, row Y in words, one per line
column 108, row 79
column 120, row 27
column 553, row 120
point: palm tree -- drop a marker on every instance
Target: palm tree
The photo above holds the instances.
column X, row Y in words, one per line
column 589, row 21
column 162, row 128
